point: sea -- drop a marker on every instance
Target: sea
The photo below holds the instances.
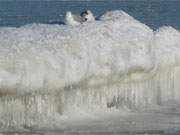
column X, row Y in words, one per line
column 154, row 13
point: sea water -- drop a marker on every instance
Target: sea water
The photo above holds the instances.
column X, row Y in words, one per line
column 153, row 13
column 116, row 75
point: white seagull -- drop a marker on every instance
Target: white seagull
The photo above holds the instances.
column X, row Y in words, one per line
column 87, row 16
column 74, row 20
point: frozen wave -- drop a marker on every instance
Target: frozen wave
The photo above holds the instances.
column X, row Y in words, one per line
column 39, row 56
column 117, row 48
column 47, row 71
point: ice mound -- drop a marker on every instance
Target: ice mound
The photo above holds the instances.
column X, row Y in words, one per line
column 41, row 57
column 47, row 71
column 166, row 47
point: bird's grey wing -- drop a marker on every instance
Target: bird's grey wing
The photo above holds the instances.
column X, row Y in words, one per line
column 78, row 18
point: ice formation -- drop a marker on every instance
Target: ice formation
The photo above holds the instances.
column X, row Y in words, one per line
column 49, row 71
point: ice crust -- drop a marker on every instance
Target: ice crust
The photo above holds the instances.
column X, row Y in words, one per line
column 115, row 62
column 50, row 57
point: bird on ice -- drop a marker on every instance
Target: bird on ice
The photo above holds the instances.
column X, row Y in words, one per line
column 74, row 20
column 87, row 16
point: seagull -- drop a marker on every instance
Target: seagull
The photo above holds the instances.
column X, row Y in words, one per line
column 72, row 19
column 87, row 16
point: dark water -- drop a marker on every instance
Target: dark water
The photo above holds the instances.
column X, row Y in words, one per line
column 154, row 13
